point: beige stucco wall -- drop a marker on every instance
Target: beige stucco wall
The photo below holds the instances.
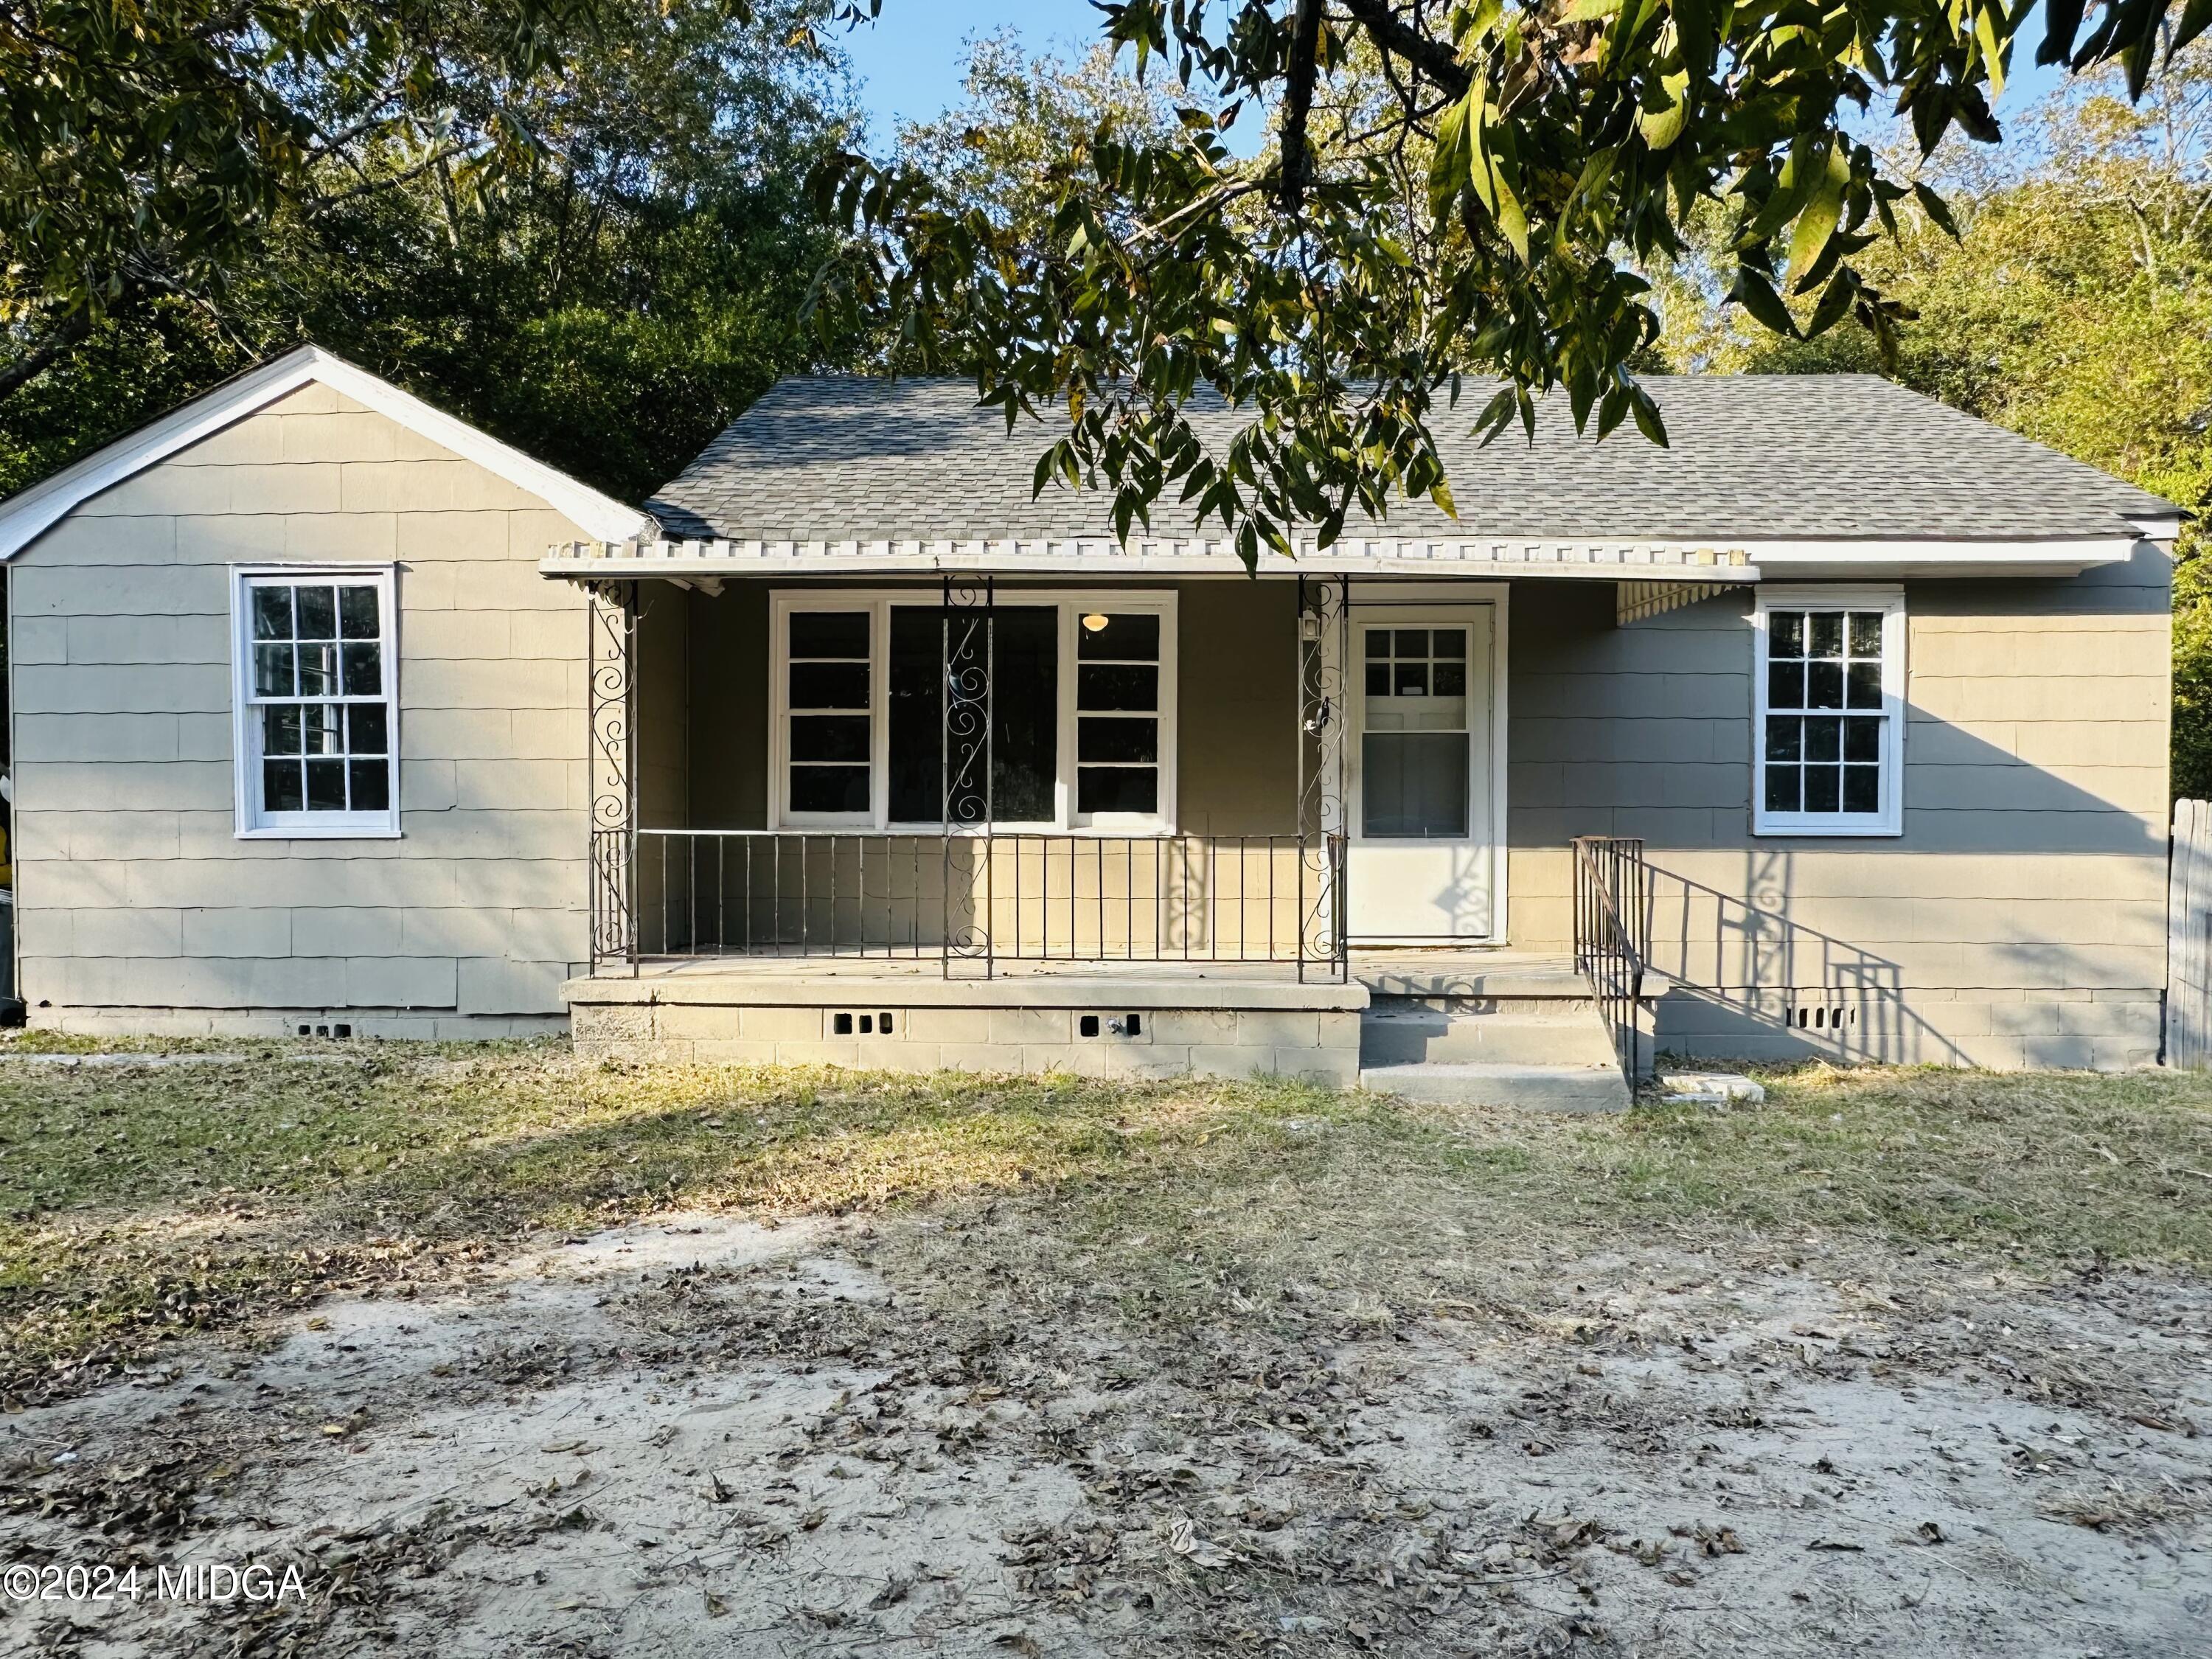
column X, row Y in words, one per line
column 138, row 907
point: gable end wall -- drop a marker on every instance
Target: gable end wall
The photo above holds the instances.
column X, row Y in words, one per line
column 138, row 907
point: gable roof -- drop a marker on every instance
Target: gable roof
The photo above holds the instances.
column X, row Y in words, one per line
column 31, row 513
column 1753, row 459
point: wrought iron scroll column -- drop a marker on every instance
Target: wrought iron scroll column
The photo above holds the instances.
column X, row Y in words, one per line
column 969, row 663
column 610, row 622
column 1324, row 622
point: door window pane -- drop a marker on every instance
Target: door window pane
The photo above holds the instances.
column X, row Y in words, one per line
column 1414, row 784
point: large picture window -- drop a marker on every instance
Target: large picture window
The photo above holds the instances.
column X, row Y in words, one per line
column 315, row 698
column 1082, row 730
column 1829, row 728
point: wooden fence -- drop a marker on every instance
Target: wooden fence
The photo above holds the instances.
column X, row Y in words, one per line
column 2188, row 936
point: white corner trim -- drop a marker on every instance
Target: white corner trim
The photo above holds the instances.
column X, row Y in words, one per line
column 31, row 513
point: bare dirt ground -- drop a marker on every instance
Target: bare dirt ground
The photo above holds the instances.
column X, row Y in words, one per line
column 700, row 1435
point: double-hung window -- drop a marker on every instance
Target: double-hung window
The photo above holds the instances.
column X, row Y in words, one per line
column 1829, row 693
column 315, row 695
column 1080, row 688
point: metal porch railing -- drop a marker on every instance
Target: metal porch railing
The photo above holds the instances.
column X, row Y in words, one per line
column 1612, row 938
column 984, row 899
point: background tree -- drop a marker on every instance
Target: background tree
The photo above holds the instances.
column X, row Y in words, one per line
column 605, row 292
column 1556, row 147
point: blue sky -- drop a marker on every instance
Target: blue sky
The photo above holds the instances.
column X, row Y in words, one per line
column 908, row 63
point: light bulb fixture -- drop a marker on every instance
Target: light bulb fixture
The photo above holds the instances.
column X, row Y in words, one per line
column 1094, row 623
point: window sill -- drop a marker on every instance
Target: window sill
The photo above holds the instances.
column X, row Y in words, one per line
column 336, row 832
column 1828, row 831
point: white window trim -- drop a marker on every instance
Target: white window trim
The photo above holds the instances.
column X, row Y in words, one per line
column 1890, row 601
column 252, row 824
column 1071, row 603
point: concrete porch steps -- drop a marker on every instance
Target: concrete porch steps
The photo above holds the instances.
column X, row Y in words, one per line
column 1524, row 1039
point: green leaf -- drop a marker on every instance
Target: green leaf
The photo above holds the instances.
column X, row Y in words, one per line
column 1938, row 210
column 1824, row 207
column 1757, row 296
column 1453, row 166
column 1660, row 128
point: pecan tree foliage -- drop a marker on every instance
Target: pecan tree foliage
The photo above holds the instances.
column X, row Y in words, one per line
column 1456, row 193
column 148, row 148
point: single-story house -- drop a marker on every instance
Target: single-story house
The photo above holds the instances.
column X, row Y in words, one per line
column 1839, row 726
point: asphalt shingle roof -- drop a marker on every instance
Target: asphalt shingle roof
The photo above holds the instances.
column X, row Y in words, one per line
column 1752, row 457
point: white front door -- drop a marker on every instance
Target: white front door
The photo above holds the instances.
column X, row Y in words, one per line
column 1422, row 860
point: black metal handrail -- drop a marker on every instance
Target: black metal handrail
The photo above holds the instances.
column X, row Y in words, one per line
column 1612, row 938
column 984, row 898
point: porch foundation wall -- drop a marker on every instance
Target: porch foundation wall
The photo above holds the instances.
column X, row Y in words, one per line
column 1309, row 1032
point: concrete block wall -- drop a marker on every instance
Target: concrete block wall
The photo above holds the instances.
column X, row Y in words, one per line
column 1201, row 1028
column 139, row 909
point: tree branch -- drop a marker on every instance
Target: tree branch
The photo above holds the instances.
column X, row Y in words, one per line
column 1297, row 104
column 1394, row 37
column 66, row 335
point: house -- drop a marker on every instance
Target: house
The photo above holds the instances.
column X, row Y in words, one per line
column 1838, row 727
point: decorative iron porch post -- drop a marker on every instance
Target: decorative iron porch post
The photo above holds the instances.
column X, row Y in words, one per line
column 964, row 763
column 610, row 622
column 1324, row 619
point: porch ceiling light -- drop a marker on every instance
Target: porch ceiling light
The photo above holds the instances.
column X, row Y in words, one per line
column 1096, row 622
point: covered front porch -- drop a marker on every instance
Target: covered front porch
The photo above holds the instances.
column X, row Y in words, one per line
column 994, row 819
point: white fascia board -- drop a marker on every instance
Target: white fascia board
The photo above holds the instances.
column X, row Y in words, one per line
column 2058, row 556
column 31, row 513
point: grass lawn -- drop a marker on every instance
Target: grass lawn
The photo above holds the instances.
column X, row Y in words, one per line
column 139, row 1202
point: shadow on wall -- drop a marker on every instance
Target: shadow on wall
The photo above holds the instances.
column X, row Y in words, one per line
column 1794, row 990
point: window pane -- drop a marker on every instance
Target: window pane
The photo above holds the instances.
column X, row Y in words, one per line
column 1785, row 685
column 1827, row 630
column 829, row 738
column 326, row 786
column 364, row 670
column 357, row 613
column 280, row 787
column 1378, row 677
column 1025, row 706
column 1862, row 789
column 917, row 754
column 1823, row 685
column 1823, row 739
column 1784, row 788
column 1450, row 679
column 1378, row 642
column 829, row 685
column 372, row 785
column 1127, row 637
column 829, row 788
column 1117, row 789
column 1785, row 738
column 367, row 732
column 1865, row 685
column 280, row 729
column 272, row 671
column 830, row 634
column 1410, row 680
column 1102, row 687
column 318, row 728
column 1863, row 740
column 1822, row 785
column 1866, row 633
column 318, row 613
column 1108, row 740
column 1448, row 643
column 1413, row 783
column 319, row 671
column 272, row 613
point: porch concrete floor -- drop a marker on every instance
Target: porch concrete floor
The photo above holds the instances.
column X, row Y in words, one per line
column 1467, row 972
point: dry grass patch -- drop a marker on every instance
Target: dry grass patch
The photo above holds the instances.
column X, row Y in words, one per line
column 137, row 1202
